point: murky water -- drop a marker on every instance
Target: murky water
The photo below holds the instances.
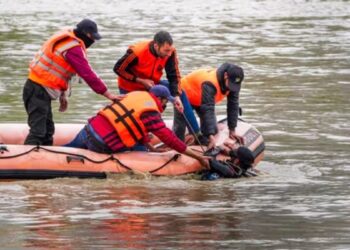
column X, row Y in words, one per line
column 296, row 56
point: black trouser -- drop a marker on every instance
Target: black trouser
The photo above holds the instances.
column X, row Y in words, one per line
column 179, row 126
column 37, row 103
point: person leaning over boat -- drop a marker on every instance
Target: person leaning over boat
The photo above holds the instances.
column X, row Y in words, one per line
column 123, row 124
column 205, row 88
column 62, row 56
column 142, row 67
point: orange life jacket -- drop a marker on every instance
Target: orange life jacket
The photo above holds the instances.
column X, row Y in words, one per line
column 49, row 67
column 125, row 116
column 192, row 85
column 148, row 66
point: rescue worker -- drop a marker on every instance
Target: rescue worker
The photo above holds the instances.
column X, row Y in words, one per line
column 62, row 56
column 123, row 124
column 205, row 88
column 142, row 67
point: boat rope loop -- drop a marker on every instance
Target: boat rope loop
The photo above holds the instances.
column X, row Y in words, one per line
column 174, row 158
column 83, row 157
column 18, row 155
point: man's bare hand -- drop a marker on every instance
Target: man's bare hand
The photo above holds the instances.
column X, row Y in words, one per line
column 178, row 104
column 236, row 137
column 113, row 97
column 148, row 83
column 63, row 103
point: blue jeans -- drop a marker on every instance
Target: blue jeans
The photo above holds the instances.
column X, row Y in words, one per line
column 79, row 141
column 188, row 110
column 82, row 140
column 193, row 126
column 85, row 141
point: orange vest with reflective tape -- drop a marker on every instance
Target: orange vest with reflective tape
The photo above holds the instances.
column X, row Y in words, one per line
column 49, row 67
column 148, row 66
column 192, row 84
column 125, row 116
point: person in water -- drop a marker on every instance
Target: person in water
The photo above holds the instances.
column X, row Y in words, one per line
column 242, row 159
column 124, row 124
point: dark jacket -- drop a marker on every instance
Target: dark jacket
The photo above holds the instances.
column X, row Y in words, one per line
column 207, row 110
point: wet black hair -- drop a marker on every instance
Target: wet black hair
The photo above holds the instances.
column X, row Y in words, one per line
column 162, row 37
column 245, row 156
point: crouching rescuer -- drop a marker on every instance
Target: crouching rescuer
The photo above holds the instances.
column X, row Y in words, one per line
column 124, row 125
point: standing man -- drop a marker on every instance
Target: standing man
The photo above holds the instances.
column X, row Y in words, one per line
column 207, row 87
column 142, row 67
column 62, row 56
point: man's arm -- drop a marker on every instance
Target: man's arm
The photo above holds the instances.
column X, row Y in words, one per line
column 124, row 64
column 154, row 124
column 232, row 115
column 75, row 57
column 207, row 110
column 123, row 69
column 207, row 113
column 232, row 109
column 173, row 74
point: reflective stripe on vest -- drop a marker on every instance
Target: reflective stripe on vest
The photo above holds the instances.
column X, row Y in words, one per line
column 49, row 68
column 65, row 75
column 192, row 85
column 125, row 116
column 67, row 46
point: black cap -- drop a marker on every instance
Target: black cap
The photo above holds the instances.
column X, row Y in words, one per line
column 235, row 77
column 245, row 157
column 88, row 26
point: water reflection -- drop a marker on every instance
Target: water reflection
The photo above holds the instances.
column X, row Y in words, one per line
column 296, row 59
column 72, row 214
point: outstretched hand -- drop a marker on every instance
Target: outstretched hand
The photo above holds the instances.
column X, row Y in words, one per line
column 117, row 97
column 211, row 143
column 178, row 104
column 63, row 103
column 113, row 97
column 236, row 137
column 147, row 83
column 204, row 160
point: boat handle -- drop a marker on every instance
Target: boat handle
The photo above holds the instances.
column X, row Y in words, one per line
column 3, row 148
column 71, row 158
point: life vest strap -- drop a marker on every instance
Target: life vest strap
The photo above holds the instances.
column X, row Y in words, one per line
column 128, row 113
column 121, row 118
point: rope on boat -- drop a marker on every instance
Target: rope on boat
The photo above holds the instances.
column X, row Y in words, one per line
column 14, row 156
column 174, row 158
column 83, row 157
